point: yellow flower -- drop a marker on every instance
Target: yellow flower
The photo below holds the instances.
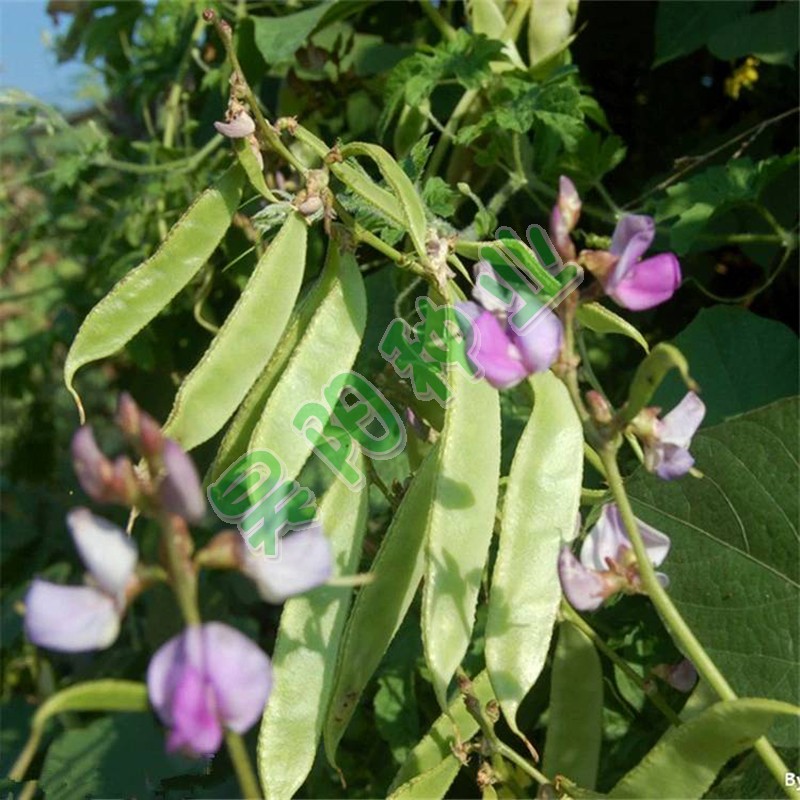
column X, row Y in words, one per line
column 744, row 76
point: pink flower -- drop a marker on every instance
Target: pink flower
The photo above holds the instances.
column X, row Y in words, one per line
column 500, row 352
column 73, row 619
column 206, row 679
column 634, row 283
column 607, row 563
column 667, row 443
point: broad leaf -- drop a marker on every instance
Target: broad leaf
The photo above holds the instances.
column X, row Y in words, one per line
column 734, row 566
column 741, row 361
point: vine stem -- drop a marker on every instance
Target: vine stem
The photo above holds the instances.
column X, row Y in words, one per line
column 248, row 782
column 672, row 618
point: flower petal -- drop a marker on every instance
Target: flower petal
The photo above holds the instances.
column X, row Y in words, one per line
column 656, row 543
column 682, row 676
column 107, row 551
column 490, row 290
column 583, row 588
column 183, row 694
column 559, row 235
column 569, row 202
column 493, row 354
column 71, row 619
column 540, row 343
column 680, row 425
column 304, row 560
column 240, row 672
column 196, row 729
column 632, row 236
column 604, row 540
column 180, row 489
column 647, row 283
column 670, row 461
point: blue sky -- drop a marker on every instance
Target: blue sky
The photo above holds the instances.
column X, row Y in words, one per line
column 25, row 60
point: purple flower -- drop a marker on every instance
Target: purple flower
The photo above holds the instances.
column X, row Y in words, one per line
column 304, row 561
column 637, row 284
column 179, row 490
column 501, row 353
column 667, row 443
column 203, row 680
column 564, row 217
column 238, row 127
column 607, row 562
column 77, row 618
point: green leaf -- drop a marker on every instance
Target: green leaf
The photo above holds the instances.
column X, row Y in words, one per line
column 381, row 605
column 539, row 512
column 329, row 347
column 120, row 756
column 278, row 38
column 740, row 360
column 434, row 749
column 146, row 290
column 460, row 524
column 412, row 208
column 734, row 566
column 771, row 35
column 305, row 654
column 439, row 197
column 686, row 759
column 213, row 390
column 682, row 28
column 600, row 319
column 575, row 728
column 694, row 202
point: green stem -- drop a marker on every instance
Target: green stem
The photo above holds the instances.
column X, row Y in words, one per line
column 674, row 622
column 248, row 782
column 440, row 151
column 439, row 22
column 181, row 165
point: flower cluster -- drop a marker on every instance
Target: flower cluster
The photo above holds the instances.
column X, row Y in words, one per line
column 607, row 563
column 210, row 676
column 631, row 281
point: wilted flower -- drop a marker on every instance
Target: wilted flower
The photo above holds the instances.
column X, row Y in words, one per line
column 205, row 679
column 667, row 440
column 238, row 126
column 77, row 618
column 304, row 560
column 503, row 355
column 630, row 281
column 564, row 217
column 681, row 676
column 607, row 562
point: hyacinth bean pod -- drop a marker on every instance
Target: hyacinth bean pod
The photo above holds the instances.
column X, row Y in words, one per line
column 539, row 512
column 305, row 654
column 148, row 288
column 213, row 390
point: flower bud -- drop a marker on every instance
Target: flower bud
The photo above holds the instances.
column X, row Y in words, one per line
column 239, row 126
column 95, row 472
column 179, row 490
